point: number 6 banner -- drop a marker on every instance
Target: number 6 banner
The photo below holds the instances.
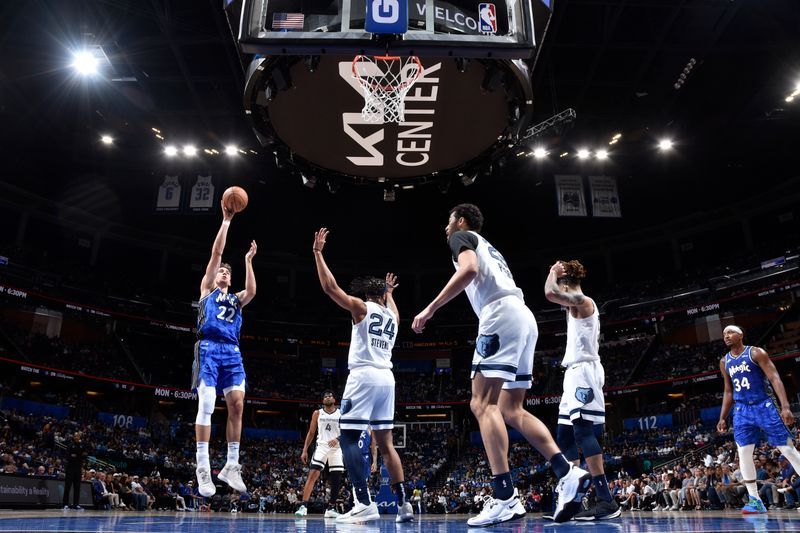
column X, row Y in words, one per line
column 169, row 194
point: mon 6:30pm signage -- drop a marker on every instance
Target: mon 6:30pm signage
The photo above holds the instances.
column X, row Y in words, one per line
column 449, row 120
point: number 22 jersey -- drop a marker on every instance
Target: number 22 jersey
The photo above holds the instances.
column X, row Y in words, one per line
column 219, row 318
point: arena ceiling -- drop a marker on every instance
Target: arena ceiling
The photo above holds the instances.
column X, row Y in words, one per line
column 173, row 66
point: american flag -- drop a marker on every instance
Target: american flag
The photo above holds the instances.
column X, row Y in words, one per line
column 288, row 21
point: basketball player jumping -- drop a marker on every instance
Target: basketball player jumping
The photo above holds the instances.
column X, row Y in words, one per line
column 325, row 423
column 582, row 402
column 748, row 372
column 217, row 364
column 368, row 398
column 501, row 368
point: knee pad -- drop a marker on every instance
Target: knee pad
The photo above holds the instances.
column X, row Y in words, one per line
column 565, row 438
column 585, row 437
column 206, row 399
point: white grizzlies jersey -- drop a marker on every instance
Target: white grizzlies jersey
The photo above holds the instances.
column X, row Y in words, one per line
column 373, row 338
column 583, row 338
column 328, row 426
column 494, row 280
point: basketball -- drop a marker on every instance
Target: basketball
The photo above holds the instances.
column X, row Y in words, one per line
column 234, row 199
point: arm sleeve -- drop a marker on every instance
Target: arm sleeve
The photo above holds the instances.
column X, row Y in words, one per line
column 460, row 241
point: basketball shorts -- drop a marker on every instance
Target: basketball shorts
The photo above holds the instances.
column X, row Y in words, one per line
column 507, row 334
column 219, row 365
column 583, row 393
column 327, row 454
column 749, row 420
column 368, row 399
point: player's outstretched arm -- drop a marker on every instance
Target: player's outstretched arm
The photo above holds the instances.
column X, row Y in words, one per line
column 727, row 397
column 466, row 272
column 356, row 306
column 762, row 359
column 391, row 285
column 207, row 284
column 312, row 430
column 249, row 291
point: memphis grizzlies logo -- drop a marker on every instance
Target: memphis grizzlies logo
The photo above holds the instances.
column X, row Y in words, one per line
column 487, row 345
column 584, row 394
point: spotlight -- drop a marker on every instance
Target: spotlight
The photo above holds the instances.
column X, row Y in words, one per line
column 539, row 153
column 665, row 144
column 468, row 179
column 389, row 195
column 583, row 153
column 616, row 137
column 308, row 181
column 190, row 150
column 171, row 151
column 601, row 154
column 85, row 63
column 564, row 154
column 231, row 150
column 333, row 186
column 107, row 139
column 790, row 98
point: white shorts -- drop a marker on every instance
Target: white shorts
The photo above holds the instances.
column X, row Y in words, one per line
column 583, row 393
column 507, row 334
column 327, row 454
column 368, row 399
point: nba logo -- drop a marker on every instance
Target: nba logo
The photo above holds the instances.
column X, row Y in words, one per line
column 487, row 15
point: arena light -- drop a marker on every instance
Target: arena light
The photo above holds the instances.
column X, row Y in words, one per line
column 190, row 150
column 171, row 151
column 665, row 144
column 790, row 98
column 539, row 153
column 601, row 154
column 84, row 62
column 564, row 154
column 107, row 139
column 231, row 150
column 583, row 153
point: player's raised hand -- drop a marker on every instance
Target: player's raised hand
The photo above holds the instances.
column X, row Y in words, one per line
column 787, row 416
column 320, row 238
column 391, row 282
column 721, row 426
column 558, row 269
column 226, row 213
column 421, row 319
column 251, row 252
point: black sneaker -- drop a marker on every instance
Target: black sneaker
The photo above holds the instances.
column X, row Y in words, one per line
column 603, row 510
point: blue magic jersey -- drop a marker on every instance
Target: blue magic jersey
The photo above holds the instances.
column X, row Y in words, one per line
column 750, row 384
column 219, row 318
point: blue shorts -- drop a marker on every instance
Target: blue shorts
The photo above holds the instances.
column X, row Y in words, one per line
column 217, row 364
column 750, row 420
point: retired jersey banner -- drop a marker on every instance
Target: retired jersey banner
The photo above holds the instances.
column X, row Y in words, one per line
column 202, row 195
column 169, row 194
column 569, row 191
column 605, row 198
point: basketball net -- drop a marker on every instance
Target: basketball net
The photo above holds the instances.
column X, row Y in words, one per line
column 385, row 81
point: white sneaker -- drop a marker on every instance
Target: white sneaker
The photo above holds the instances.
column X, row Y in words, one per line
column 232, row 475
column 301, row 511
column 405, row 513
column 330, row 513
column 205, row 486
column 497, row 511
column 359, row 513
column 571, row 489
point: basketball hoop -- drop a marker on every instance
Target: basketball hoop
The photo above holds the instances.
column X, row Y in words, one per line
column 385, row 81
